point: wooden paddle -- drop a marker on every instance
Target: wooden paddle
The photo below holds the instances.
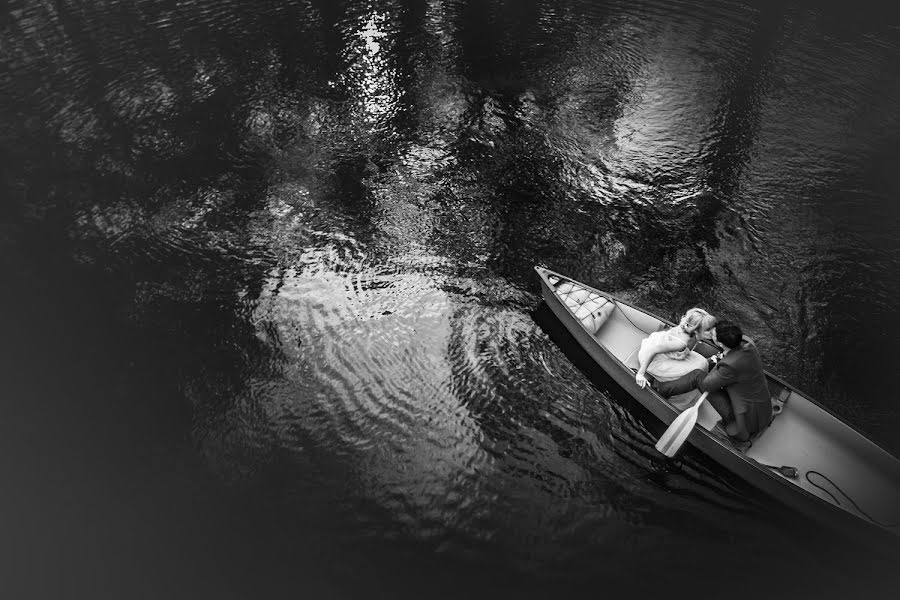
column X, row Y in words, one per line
column 680, row 429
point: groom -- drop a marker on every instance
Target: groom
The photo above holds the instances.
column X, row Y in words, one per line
column 736, row 384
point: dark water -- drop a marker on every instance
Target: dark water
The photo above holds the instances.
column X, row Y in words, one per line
column 271, row 327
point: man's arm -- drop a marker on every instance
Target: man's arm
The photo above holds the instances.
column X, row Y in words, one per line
column 712, row 360
column 724, row 374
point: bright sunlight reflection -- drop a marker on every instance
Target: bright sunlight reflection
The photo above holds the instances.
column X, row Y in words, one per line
column 370, row 74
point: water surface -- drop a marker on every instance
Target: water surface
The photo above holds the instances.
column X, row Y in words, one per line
column 272, row 323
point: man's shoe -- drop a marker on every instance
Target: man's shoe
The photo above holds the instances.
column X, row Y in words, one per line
column 725, row 432
column 720, row 432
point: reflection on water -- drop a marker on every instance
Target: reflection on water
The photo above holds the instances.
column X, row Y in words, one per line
column 312, row 226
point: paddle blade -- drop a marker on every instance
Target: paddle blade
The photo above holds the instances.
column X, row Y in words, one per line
column 680, row 429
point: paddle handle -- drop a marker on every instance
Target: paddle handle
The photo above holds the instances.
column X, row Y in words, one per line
column 696, row 406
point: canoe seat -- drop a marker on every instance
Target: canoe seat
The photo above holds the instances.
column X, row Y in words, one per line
column 779, row 401
column 631, row 361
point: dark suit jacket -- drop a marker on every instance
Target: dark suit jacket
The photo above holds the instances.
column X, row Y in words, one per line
column 741, row 372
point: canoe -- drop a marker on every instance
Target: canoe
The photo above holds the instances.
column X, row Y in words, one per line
column 842, row 477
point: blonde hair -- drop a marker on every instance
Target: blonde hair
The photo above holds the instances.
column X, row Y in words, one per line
column 697, row 319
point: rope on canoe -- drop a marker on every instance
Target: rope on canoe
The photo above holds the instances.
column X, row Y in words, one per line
column 836, row 501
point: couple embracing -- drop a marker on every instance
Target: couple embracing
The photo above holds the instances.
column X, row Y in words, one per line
column 734, row 378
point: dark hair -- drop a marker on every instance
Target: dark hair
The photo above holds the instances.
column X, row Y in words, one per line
column 729, row 333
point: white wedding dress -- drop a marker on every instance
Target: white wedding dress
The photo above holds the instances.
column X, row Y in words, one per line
column 668, row 366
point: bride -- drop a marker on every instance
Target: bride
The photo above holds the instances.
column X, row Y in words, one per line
column 667, row 354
